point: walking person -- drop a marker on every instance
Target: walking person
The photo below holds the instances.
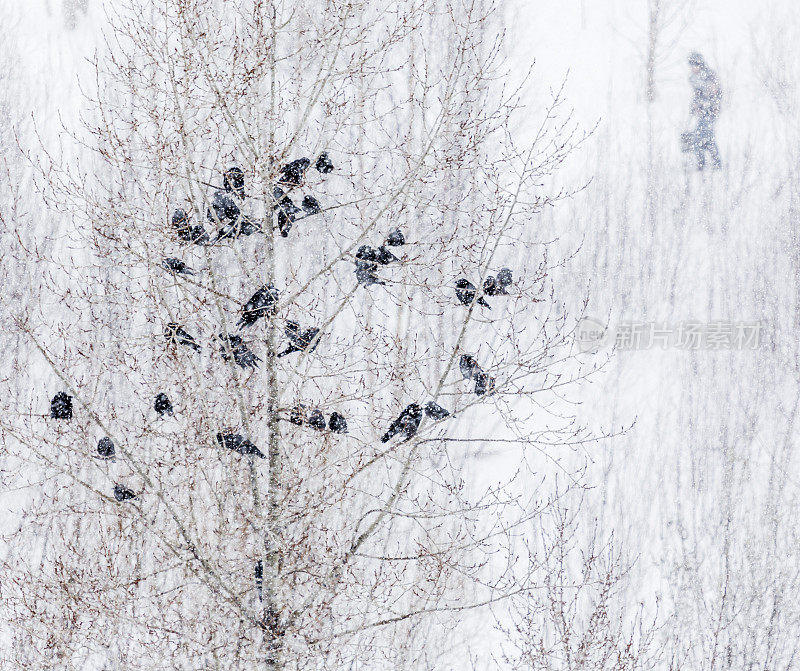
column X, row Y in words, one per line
column 705, row 108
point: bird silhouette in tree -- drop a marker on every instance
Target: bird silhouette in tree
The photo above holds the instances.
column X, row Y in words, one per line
column 234, row 345
column 466, row 291
column 407, row 423
column 122, row 493
column 61, row 406
column 105, row 448
column 435, row 411
column 293, row 173
column 324, row 164
column 175, row 335
column 262, row 303
column 162, row 405
column 300, row 340
column 240, row 444
column 337, row 423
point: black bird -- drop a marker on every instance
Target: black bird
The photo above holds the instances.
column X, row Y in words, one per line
column 337, row 423
column 367, row 261
column 196, row 234
column 162, row 405
column 324, row 163
column 505, row 278
column 483, row 383
column 235, row 227
column 470, row 370
column 122, row 493
column 259, row 571
column 300, row 340
column 407, row 423
column 385, row 256
column 186, row 232
column 61, row 406
column 491, row 287
column 316, row 420
column 497, row 286
column 367, row 254
column 238, row 443
column 365, row 274
column 310, row 205
column 469, row 367
column 298, row 415
column 105, row 448
column 293, row 173
column 180, row 219
column 287, row 214
column 223, row 208
column 262, row 303
column 177, row 266
column 465, row 292
column 233, row 181
column 396, row 239
column 242, row 356
column 435, row 411
column 175, row 335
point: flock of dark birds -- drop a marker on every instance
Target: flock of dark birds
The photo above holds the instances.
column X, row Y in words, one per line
column 225, row 212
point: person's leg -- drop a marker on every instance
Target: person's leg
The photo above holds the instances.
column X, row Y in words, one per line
column 713, row 149
column 700, row 146
column 698, row 142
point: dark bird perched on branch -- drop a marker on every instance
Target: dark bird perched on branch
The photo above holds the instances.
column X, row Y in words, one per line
column 384, row 256
column 468, row 366
column 483, row 384
column 465, row 292
column 396, row 238
column 262, row 303
column 365, row 273
column 407, row 423
column 337, row 423
column 505, row 277
column 293, row 173
column 162, row 405
column 300, row 340
column 470, row 370
column 238, row 443
column 300, row 415
column 497, row 286
column 310, row 206
column 61, row 406
column 435, row 411
column 316, row 420
column 367, row 261
column 122, row 493
column 223, row 208
column 236, row 227
column 177, row 266
column 242, row 356
column 233, row 182
column 287, row 214
column 324, row 163
column 175, row 335
column 105, row 448
column 186, row 232
column 259, row 571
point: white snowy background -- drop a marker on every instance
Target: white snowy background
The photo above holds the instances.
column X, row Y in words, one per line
column 701, row 488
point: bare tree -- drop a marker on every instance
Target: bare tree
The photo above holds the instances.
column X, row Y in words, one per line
column 241, row 526
column 580, row 620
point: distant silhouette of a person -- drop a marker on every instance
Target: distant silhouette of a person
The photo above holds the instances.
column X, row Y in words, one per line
column 705, row 108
